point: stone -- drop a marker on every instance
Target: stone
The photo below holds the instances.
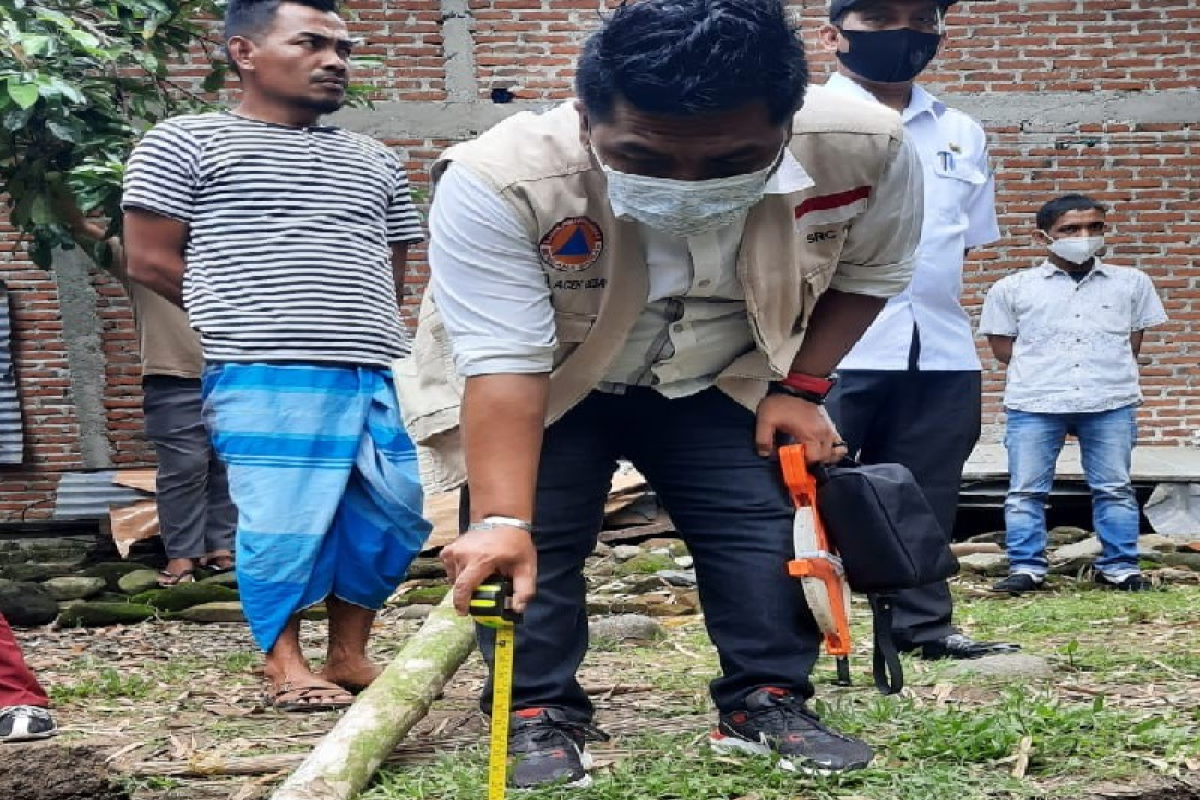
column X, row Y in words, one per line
column 422, row 596
column 112, row 572
column 426, row 568
column 74, row 588
column 26, row 605
column 637, row 584
column 626, row 627
column 185, row 595
column 28, row 573
column 990, row 564
column 212, row 612
column 317, row 613
column 139, row 581
column 99, row 615
column 414, row 612
column 1011, row 666
column 992, row 537
column 677, row 577
column 645, row 564
column 602, row 569
column 608, row 604
column 1156, row 542
column 602, row 549
column 1184, row 558
column 624, row 552
column 1171, row 575
column 673, row 547
column 684, row 562
column 1069, row 559
column 1065, row 534
column 226, row 579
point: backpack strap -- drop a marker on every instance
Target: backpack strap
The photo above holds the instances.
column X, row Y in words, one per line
column 885, row 660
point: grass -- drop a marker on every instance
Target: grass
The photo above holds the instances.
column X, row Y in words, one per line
column 962, row 748
column 103, row 683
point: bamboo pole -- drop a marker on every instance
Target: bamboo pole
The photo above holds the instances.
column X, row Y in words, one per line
column 344, row 761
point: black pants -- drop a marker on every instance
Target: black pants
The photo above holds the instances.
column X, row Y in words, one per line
column 195, row 514
column 929, row 422
column 729, row 507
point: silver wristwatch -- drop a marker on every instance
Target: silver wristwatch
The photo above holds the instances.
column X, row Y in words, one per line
column 493, row 522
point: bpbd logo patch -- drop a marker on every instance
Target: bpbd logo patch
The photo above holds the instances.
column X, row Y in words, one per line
column 572, row 245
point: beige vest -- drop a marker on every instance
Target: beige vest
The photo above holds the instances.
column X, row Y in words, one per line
column 596, row 268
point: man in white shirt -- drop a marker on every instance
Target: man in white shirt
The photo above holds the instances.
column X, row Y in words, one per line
column 1070, row 330
column 910, row 390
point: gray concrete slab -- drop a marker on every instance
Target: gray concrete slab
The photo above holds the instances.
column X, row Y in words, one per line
column 1152, row 464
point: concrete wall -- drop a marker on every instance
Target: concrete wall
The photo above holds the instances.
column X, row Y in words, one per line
column 1077, row 95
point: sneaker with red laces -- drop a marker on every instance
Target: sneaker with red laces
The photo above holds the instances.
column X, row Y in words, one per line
column 777, row 721
column 548, row 747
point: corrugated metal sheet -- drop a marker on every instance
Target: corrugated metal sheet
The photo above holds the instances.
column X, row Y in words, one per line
column 88, row 495
column 12, row 436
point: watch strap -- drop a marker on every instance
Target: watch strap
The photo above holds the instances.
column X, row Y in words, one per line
column 491, row 522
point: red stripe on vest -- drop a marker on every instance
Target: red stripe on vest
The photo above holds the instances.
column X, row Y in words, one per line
column 827, row 201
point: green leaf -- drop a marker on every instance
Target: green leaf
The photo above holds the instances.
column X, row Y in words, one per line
column 14, row 119
column 23, row 94
column 215, row 80
column 42, row 211
column 63, row 132
column 35, row 45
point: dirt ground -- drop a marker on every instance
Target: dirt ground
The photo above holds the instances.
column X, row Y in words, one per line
column 174, row 711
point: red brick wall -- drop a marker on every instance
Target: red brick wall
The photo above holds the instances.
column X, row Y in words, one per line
column 1148, row 171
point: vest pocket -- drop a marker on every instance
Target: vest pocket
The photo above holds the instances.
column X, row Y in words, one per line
column 570, row 330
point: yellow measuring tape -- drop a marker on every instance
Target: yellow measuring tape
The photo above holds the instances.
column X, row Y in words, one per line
column 491, row 606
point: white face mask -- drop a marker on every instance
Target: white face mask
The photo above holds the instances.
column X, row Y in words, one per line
column 1077, row 249
column 684, row 208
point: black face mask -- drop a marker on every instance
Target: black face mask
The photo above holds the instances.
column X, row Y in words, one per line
column 889, row 56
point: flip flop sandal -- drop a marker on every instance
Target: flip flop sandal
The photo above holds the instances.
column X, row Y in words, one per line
column 304, row 699
column 167, row 578
column 217, row 569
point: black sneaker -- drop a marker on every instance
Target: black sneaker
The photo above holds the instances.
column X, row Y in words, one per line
column 25, row 724
column 1019, row 583
column 1133, row 582
column 547, row 747
column 776, row 721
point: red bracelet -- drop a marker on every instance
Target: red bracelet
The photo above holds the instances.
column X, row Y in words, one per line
column 809, row 383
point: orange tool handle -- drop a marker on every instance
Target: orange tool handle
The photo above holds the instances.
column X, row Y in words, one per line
column 803, row 488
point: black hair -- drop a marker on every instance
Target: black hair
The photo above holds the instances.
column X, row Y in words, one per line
column 687, row 57
column 249, row 18
column 1050, row 213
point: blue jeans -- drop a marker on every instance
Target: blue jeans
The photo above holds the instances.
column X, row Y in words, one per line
column 1106, row 441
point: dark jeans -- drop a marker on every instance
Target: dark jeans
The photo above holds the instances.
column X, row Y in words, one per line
column 929, row 422
column 728, row 505
column 195, row 514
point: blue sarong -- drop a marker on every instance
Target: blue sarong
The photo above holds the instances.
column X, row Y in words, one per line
column 325, row 482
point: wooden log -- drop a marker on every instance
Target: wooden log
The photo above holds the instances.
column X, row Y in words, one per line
column 344, row 761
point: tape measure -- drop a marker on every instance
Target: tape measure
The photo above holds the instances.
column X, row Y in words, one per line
column 491, row 606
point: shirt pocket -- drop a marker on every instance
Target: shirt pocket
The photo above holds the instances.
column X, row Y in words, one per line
column 956, row 180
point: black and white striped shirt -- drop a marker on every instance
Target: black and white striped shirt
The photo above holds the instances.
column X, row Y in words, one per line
column 288, row 256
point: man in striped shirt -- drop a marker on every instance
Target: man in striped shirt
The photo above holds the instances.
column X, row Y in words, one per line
column 285, row 240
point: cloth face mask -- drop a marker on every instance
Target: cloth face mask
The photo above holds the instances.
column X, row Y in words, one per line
column 684, row 208
column 892, row 56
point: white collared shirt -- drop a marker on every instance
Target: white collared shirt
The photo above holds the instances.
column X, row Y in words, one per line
column 1072, row 352
column 960, row 214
